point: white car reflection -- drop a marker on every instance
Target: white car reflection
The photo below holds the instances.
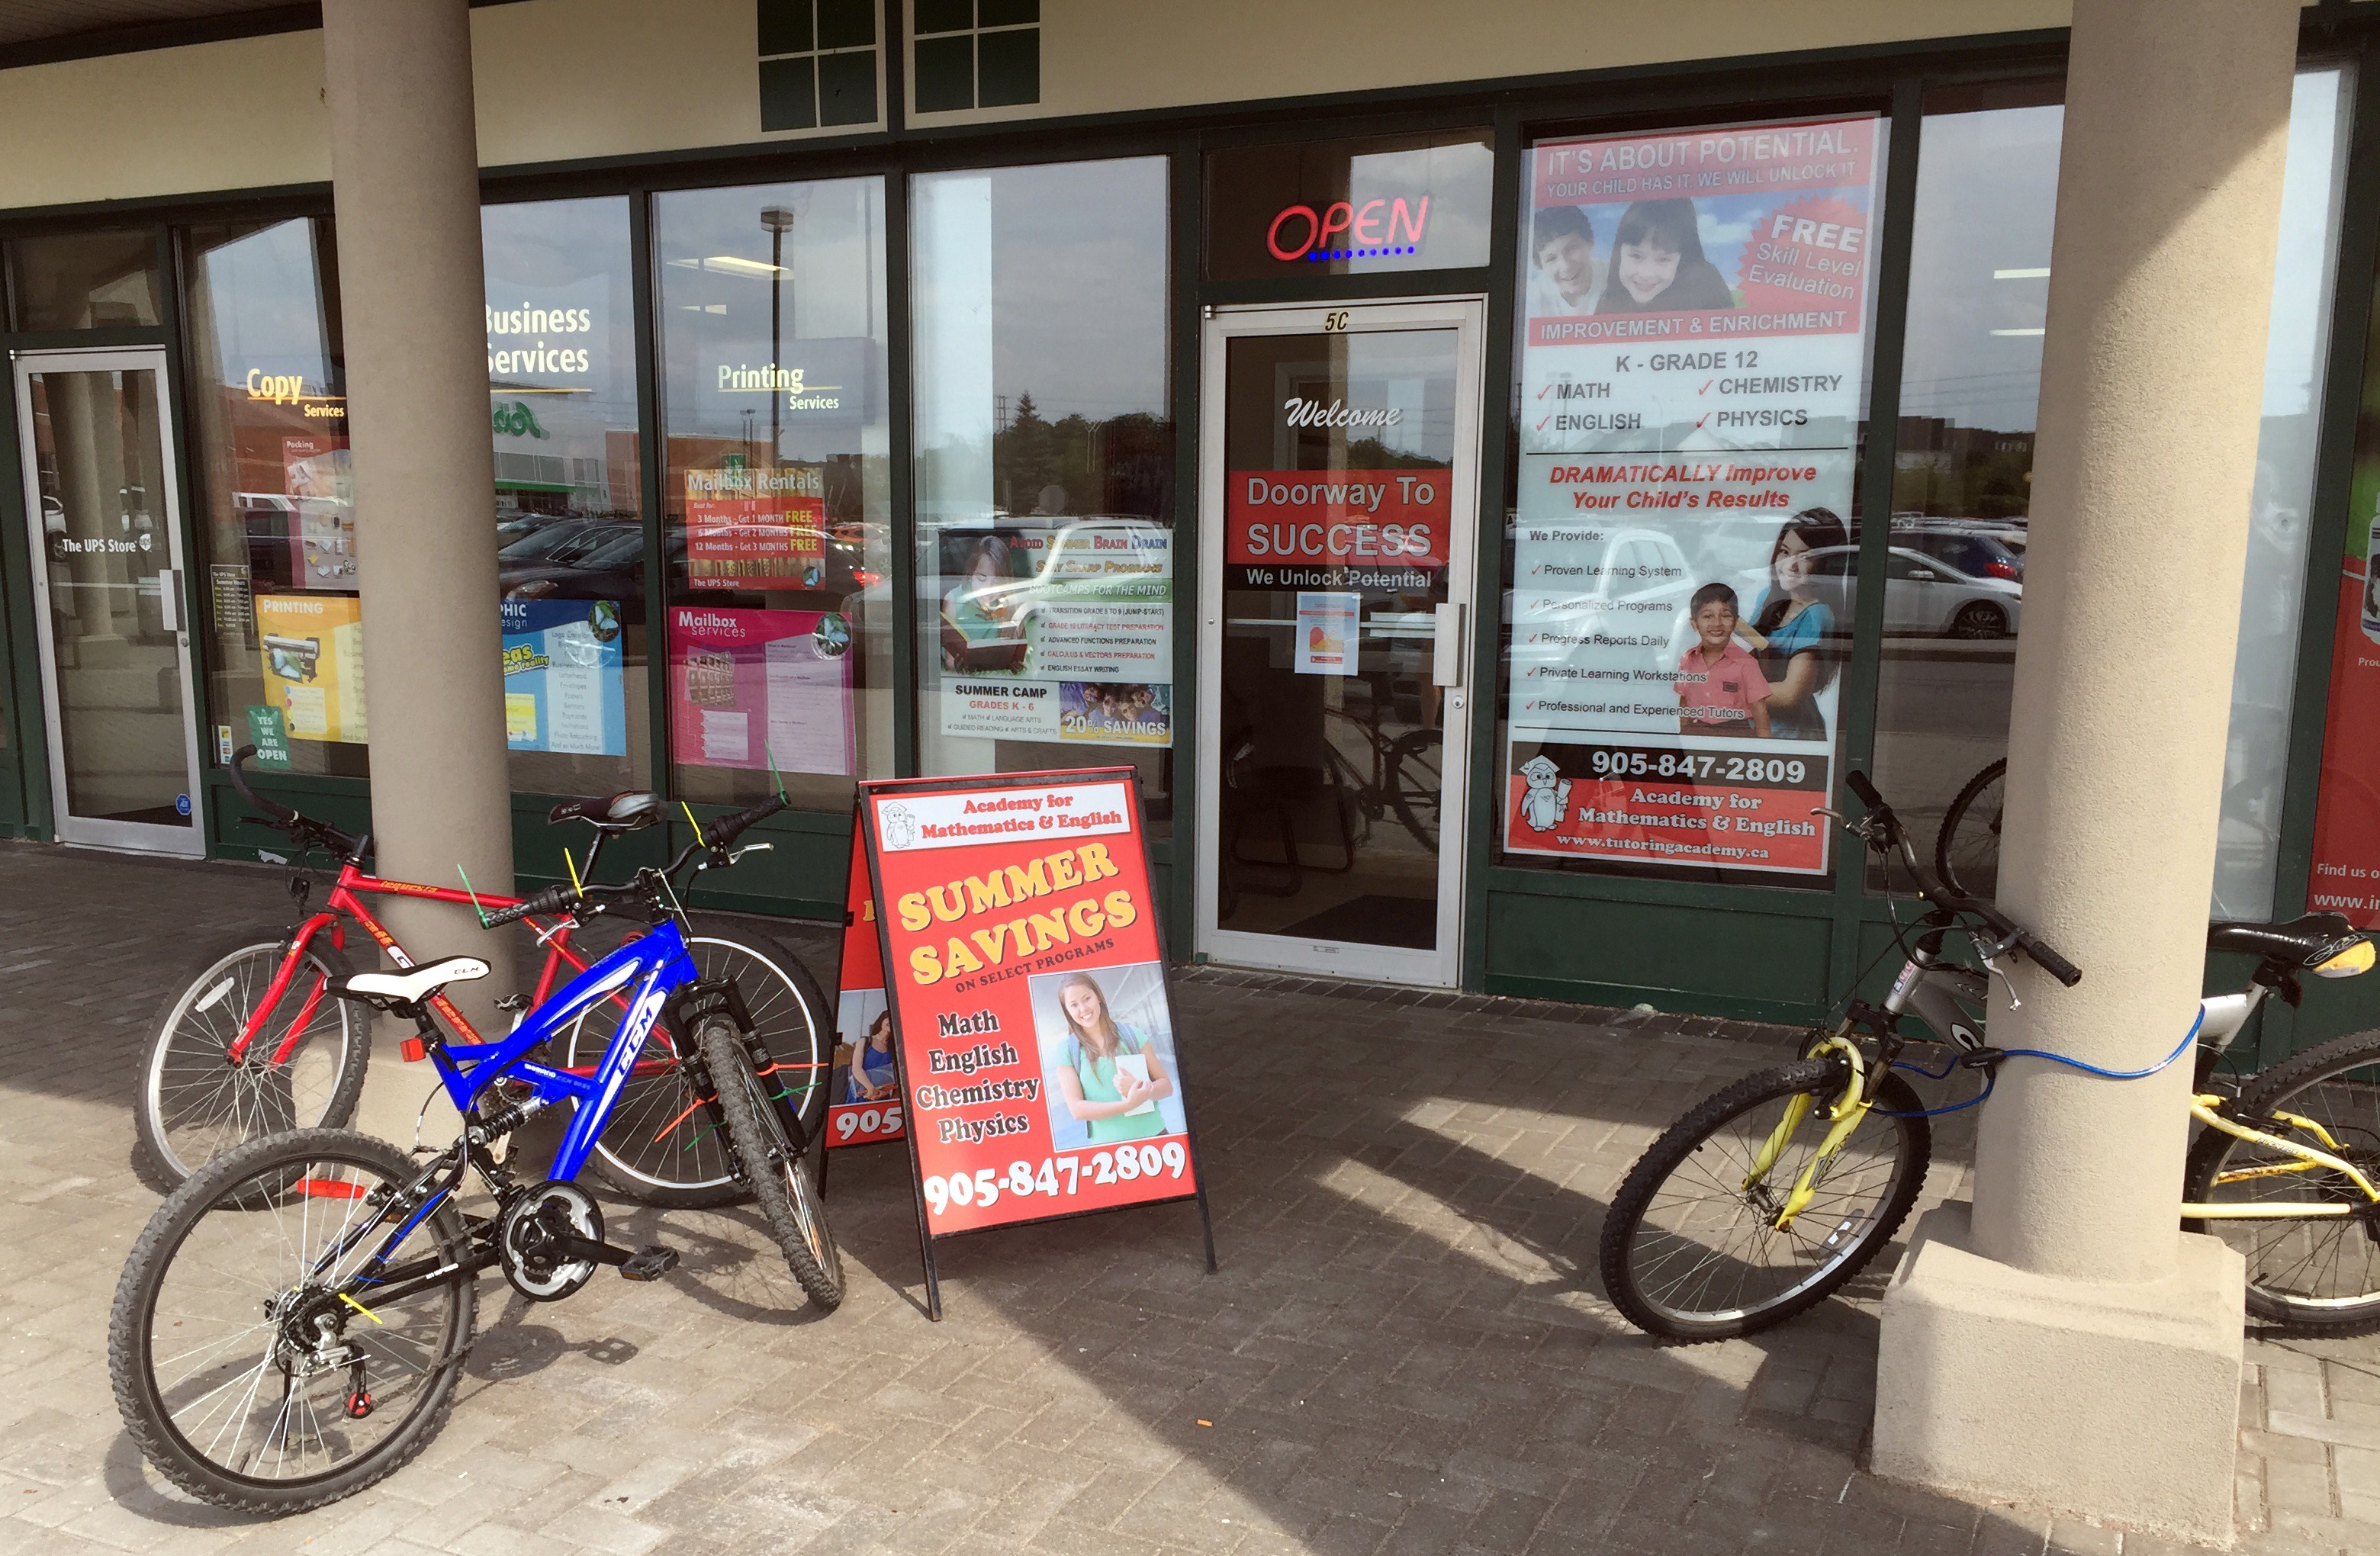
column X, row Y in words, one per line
column 1924, row 596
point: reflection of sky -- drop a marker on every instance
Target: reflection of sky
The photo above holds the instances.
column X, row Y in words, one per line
column 257, row 294
column 1461, row 178
column 567, row 253
column 831, row 287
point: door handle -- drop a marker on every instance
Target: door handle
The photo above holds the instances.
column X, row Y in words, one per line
column 1446, row 647
column 169, row 599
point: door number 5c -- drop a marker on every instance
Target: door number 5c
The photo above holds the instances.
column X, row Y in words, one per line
column 1334, row 321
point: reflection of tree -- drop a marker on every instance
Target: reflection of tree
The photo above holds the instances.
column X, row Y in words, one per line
column 1124, row 465
column 1951, row 471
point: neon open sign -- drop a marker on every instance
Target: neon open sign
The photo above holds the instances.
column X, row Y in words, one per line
column 1345, row 231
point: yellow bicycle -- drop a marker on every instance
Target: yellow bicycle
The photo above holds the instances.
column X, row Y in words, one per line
column 1765, row 1199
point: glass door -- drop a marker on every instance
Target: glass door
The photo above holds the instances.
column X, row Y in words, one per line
column 1339, row 493
column 105, row 520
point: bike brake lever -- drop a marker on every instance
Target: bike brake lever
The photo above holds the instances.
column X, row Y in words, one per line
column 735, row 854
column 1991, row 956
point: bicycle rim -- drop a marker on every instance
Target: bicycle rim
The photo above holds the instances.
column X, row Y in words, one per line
column 2323, row 1272
column 200, row 1104
column 232, row 1386
column 659, row 1136
column 1967, row 851
column 1699, row 1251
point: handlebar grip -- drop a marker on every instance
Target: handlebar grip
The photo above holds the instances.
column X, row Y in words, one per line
column 726, row 829
column 272, row 808
column 1859, row 784
column 552, row 900
column 2050, row 961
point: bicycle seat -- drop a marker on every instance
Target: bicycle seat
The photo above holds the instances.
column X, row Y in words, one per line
column 625, row 811
column 407, row 988
column 2301, row 943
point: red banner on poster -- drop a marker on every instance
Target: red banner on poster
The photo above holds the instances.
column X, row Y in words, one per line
column 2347, row 814
column 1729, row 809
column 756, row 529
column 864, row 1099
column 1337, row 519
column 1031, row 1017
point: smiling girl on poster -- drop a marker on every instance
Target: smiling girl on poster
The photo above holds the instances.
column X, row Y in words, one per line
column 1658, row 264
column 1110, row 1071
column 1789, row 626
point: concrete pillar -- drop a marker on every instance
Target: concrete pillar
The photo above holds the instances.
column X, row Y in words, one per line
column 2065, row 1343
column 406, row 183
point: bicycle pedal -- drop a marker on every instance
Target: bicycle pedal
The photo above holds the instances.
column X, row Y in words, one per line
column 648, row 1264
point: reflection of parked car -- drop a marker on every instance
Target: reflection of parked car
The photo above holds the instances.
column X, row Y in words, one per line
column 1922, row 594
column 600, row 561
column 1976, row 554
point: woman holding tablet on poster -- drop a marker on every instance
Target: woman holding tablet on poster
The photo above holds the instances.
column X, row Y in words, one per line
column 1111, row 1076
column 1789, row 626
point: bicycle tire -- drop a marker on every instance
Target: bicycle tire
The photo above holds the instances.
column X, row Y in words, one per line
column 193, row 1030
column 686, row 1168
column 2284, row 1257
column 1963, row 858
column 246, row 1182
column 1626, row 1257
column 784, row 1181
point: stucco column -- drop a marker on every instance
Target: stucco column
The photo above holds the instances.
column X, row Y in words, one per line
column 406, row 182
column 2072, row 1278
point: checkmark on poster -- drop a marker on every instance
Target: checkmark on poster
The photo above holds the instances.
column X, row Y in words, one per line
column 1706, row 384
column 1543, row 392
column 1542, row 420
column 1702, row 418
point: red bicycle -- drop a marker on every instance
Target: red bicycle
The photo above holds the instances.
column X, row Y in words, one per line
column 252, row 1044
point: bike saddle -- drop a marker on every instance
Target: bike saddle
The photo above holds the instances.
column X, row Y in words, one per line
column 625, row 811
column 2300, row 944
column 407, row 988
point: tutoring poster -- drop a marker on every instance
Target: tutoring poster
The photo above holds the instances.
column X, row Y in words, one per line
column 755, row 528
column 2347, row 814
column 565, row 677
column 312, row 649
column 1036, row 1042
column 1061, row 634
column 760, row 689
column 864, row 1091
column 1685, row 569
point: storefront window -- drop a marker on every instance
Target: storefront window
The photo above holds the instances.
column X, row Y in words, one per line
column 1384, row 203
column 1677, row 605
column 1979, row 281
column 569, row 514
column 1045, row 472
column 776, row 491
column 276, row 518
column 84, row 281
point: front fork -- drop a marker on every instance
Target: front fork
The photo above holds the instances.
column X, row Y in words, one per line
column 1845, row 1113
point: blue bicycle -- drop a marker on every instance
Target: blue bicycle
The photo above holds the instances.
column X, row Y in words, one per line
column 290, row 1326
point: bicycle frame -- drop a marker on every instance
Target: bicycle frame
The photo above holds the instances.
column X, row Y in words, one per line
column 657, row 965
column 345, row 901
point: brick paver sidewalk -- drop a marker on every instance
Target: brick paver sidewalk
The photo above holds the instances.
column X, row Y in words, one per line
column 1405, row 1349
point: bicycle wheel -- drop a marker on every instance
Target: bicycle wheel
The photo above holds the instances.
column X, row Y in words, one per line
column 659, row 1147
column 1967, row 849
column 1691, row 1253
column 240, row 1372
column 1416, row 762
column 784, row 1183
column 2314, row 1273
column 195, row 1103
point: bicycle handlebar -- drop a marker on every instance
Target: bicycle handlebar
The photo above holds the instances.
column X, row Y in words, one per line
column 1890, row 831
column 556, row 900
column 303, row 830
column 727, row 828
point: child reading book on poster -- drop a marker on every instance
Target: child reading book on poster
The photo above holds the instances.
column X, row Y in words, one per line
column 1720, row 687
column 1109, row 1076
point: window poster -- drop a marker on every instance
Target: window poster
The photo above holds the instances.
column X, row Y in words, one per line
column 756, row 529
column 1059, row 634
column 311, row 647
column 2346, row 812
column 1034, row 1037
column 760, row 689
column 1693, row 346
column 566, row 685
column 319, row 482
column 1326, row 632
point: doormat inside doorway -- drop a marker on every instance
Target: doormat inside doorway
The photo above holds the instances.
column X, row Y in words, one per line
column 1374, row 921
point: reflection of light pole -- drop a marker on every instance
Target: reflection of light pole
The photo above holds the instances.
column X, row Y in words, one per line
column 776, row 218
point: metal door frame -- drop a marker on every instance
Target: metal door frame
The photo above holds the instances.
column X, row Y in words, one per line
column 1467, row 315
column 142, row 836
